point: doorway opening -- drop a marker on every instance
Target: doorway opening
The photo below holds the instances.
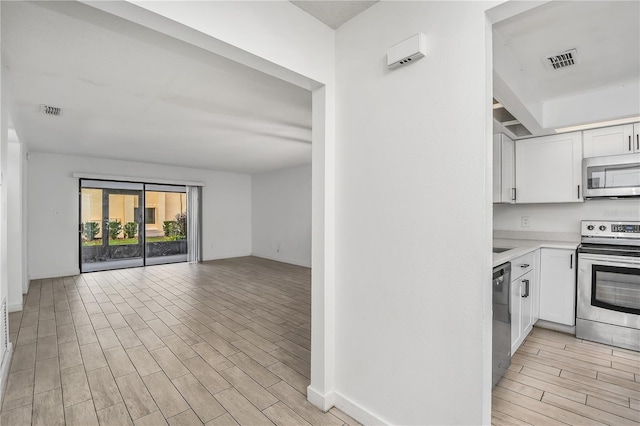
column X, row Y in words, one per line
column 131, row 224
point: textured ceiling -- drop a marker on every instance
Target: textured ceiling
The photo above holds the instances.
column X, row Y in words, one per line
column 606, row 35
column 130, row 93
column 333, row 13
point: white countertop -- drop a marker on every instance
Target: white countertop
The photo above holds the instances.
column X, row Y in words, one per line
column 520, row 247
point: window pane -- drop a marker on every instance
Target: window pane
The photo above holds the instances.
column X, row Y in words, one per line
column 166, row 234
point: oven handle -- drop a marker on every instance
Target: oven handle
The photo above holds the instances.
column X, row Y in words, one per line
column 623, row 261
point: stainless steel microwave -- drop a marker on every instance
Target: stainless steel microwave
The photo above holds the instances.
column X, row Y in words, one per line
column 612, row 176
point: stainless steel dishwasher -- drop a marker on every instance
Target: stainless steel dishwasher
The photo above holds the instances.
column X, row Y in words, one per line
column 501, row 321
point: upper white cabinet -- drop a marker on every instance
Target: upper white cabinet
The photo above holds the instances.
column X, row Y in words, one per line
column 614, row 140
column 503, row 169
column 558, row 286
column 549, row 169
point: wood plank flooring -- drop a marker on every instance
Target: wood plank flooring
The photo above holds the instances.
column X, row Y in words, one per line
column 218, row 343
column 228, row 342
column 556, row 379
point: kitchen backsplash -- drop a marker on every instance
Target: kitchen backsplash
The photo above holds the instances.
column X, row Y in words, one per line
column 562, row 217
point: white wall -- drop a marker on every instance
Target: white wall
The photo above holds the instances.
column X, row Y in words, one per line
column 413, row 309
column 563, row 218
column 281, row 215
column 15, row 218
column 5, row 356
column 53, row 208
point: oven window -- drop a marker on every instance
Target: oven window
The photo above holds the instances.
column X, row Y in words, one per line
column 616, row 288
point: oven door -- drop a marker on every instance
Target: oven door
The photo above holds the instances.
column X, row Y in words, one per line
column 609, row 289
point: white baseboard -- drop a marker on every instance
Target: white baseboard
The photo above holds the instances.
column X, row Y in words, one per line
column 356, row 411
column 16, row 307
column 4, row 371
column 226, row 256
column 284, row 259
column 54, row 274
column 335, row 399
column 323, row 402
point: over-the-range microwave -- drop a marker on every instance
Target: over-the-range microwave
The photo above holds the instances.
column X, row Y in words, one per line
column 612, row 176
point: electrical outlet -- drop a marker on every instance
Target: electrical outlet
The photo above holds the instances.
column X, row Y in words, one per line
column 524, row 221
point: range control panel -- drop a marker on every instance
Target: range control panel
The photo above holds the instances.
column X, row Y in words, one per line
column 606, row 229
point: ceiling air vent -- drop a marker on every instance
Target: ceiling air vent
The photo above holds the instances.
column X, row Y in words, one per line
column 562, row 60
column 50, row 110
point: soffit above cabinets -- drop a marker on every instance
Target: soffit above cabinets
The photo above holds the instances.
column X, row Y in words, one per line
column 596, row 45
column 508, row 122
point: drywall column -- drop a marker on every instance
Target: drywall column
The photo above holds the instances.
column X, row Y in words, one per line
column 15, row 237
column 413, row 222
column 321, row 391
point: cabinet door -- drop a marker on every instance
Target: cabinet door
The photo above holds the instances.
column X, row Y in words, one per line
column 535, row 291
column 549, row 169
column 516, row 317
column 636, row 134
column 526, row 303
column 503, row 168
column 558, row 286
column 609, row 141
column 522, row 309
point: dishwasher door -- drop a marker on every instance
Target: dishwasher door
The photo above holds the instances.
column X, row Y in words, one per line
column 501, row 356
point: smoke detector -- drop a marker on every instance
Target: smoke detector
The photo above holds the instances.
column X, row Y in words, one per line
column 561, row 60
column 50, row 110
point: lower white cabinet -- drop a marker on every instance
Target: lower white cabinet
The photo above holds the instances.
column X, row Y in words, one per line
column 521, row 309
column 558, row 285
column 523, row 295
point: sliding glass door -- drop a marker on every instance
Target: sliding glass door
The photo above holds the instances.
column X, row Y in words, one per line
column 165, row 224
column 126, row 224
column 111, row 219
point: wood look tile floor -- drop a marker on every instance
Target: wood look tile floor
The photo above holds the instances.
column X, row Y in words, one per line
column 557, row 379
column 228, row 342
column 218, row 343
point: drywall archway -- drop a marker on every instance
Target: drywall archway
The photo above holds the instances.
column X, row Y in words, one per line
column 281, row 40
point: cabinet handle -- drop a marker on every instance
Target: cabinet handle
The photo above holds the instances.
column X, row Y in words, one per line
column 526, row 288
column 524, row 265
column 513, row 194
column 578, row 191
column 637, row 141
column 629, row 142
column 571, row 261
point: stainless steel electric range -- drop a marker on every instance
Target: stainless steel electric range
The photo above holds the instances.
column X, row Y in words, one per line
column 608, row 296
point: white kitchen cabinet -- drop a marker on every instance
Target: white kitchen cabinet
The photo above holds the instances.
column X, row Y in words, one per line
column 522, row 298
column 535, row 291
column 558, row 285
column 521, row 309
column 516, row 316
column 503, row 169
column 549, row 169
column 613, row 140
